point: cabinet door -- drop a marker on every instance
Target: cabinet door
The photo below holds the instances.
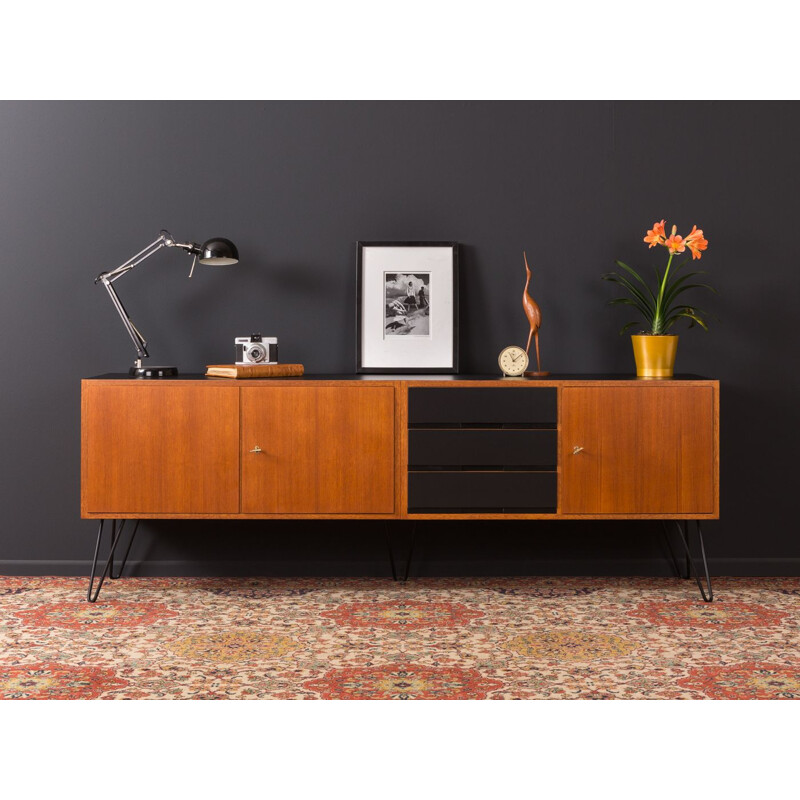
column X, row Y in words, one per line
column 645, row 450
column 160, row 448
column 323, row 450
column 355, row 450
column 281, row 423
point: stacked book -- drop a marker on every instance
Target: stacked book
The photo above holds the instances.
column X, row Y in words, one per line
column 254, row 370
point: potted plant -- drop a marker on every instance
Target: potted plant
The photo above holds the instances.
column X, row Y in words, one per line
column 654, row 348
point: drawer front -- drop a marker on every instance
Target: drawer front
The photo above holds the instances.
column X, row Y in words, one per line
column 494, row 406
column 499, row 492
column 483, row 448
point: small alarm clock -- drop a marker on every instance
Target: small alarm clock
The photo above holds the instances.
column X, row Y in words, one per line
column 513, row 361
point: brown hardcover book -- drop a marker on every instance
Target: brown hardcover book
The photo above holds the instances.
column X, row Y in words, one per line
column 254, row 370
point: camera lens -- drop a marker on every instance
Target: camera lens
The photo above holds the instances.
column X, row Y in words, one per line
column 256, row 353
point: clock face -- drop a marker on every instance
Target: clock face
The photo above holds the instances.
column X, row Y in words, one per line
column 513, row 361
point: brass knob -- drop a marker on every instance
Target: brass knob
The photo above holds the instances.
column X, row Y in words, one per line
column 577, row 449
column 256, row 449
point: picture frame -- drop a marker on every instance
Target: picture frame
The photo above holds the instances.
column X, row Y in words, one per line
column 407, row 307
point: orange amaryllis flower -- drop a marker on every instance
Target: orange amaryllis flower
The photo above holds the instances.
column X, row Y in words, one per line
column 695, row 242
column 675, row 243
column 656, row 234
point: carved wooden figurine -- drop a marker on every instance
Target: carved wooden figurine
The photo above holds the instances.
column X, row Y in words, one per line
column 534, row 315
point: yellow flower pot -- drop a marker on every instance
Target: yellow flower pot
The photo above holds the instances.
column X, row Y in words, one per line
column 655, row 355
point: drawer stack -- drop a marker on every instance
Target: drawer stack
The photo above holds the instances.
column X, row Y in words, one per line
column 488, row 450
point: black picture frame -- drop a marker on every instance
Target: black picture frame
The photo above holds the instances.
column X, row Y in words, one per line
column 360, row 368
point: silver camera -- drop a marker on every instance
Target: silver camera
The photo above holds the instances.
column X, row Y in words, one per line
column 256, row 349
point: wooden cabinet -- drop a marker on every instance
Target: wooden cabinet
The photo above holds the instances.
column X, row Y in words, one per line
column 638, row 450
column 310, row 450
column 166, row 450
column 420, row 448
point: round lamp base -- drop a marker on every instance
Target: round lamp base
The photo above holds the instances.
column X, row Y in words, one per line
column 153, row 372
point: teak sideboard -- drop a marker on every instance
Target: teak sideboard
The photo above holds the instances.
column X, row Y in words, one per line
column 409, row 448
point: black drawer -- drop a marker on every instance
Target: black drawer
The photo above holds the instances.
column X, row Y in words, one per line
column 506, row 492
column 482, row 448
column 492, row 406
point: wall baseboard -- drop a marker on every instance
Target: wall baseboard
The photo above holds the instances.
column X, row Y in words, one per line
column 734, row 567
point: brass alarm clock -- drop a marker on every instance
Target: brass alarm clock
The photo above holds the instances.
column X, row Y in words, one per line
column 513, row 361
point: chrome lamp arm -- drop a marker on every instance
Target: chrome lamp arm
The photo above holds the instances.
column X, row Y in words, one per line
column 138, row 340
column 165, row 239
column 215, row 252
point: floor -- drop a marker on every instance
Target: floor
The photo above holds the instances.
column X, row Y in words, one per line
column 454, row 638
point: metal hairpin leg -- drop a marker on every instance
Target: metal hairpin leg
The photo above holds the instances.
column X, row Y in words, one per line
column 408, row 557
column 389, row 546
column 410, row 550
column 683, row 530
column 111, row 574
column 675, row 563
column 116, row 533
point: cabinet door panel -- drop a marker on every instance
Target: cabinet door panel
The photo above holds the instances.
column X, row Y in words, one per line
column 281, row 479
column 160, row 449
column 647, row 450
column 355, row 440
column 325, row 450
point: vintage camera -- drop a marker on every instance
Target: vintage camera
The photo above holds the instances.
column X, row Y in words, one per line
column 256, row 349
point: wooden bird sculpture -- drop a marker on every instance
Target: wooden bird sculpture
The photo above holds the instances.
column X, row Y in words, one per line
column 534, row 315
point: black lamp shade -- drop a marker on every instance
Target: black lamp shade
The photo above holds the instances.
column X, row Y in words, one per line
column 219, row 252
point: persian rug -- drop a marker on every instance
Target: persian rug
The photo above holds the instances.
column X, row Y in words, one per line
column 356, row 639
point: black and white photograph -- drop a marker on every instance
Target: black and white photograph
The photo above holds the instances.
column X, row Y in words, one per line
column 407, row 307
column 408, row 304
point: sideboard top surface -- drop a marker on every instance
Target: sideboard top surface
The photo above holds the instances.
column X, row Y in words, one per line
column 554, row 378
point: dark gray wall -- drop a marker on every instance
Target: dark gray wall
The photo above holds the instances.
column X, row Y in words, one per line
column 295, row 185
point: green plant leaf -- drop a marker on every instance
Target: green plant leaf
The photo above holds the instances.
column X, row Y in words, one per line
column 670, row 305
column 680, row 265
column 627, row 326
column 638, row 277
column 691, row 308
column 659, row 276
column 676, row 287
column 674, row 279
column 672, row 320
column 688, row 315
column 698, row 320
column 622, row 281
column 646, row 307
column 626, row 301
column 698, row 312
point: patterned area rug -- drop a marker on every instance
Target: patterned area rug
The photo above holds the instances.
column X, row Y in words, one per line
column 485, row 638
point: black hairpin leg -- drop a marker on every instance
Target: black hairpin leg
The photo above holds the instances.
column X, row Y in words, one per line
column 389, row 547
column 116, row 533
column 683, row 530
column 111, row 574
column 408, row 557
column 410, row 550
column 679, row 571
column 687, row 557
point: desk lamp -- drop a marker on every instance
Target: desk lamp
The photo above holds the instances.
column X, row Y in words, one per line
column 216, row 252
